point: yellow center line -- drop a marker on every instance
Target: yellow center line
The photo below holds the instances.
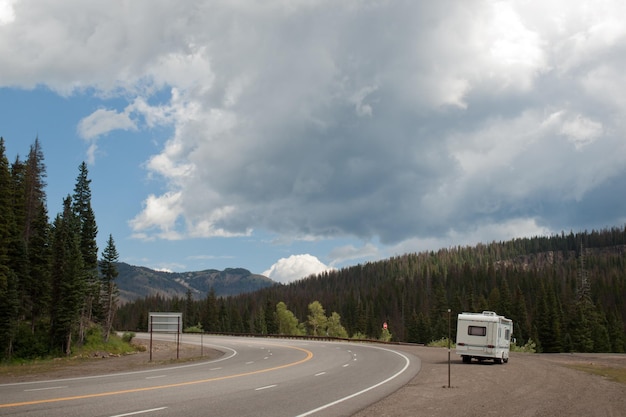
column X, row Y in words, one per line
column 308, row 357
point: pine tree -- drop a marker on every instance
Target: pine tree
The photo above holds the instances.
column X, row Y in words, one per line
column 189, row 316
column 270, row 318
column 9, row 298
column 210, row 318
column 88, row 231
column 109, row 296
column 32, row 256
column 68, row 284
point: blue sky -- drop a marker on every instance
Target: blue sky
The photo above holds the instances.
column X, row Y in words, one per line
column 289, row 137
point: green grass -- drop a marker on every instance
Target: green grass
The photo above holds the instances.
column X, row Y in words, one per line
column 94, row 343
column 614, row 374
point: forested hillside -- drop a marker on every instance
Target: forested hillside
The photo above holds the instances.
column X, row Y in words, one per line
column 54, row 290
column 565, row 292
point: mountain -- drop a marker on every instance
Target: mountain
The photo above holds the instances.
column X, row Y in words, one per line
column 137, row 282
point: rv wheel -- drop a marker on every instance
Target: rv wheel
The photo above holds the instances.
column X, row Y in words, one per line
column 467, row 359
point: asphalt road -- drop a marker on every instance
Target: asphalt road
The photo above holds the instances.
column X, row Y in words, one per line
column 255, row 377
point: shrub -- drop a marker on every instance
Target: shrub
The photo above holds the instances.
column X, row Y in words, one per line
column 443, row 342
column 529, row 347
column 127, row 337
column 193, row 329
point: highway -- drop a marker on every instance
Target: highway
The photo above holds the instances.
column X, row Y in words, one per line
column 254, row 377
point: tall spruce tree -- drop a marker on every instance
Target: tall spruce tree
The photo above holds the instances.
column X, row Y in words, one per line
column 210, row 314
column 88, row 231
column 68, row 279
column 35, row 278
column 109, row 296
column 9, row 298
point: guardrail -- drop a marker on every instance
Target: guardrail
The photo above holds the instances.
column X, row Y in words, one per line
column 303, row 337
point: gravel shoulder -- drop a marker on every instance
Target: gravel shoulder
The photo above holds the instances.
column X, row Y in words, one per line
column 529, row 385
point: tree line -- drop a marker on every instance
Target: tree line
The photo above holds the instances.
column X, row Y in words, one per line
column 53, row 287
column 565, row 292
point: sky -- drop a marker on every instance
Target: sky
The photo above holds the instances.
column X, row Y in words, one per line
column 289, row 137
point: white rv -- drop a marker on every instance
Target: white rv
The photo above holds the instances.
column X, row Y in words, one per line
column 482, row 336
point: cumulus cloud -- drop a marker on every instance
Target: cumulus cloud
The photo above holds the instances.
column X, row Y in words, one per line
column 295, row 267
column 393, row 121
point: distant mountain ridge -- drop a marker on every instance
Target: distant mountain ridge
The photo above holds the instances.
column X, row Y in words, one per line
column 136, row 282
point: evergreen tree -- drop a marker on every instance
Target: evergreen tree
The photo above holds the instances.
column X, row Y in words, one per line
column 31, row 256
column 68, row 284
column 109, row 296
column 210, row 316
column 9, row 298
column 549, row 321
column 521, row 326
column 616, row 333
column 34, row 184
column 190, row 311
column 424, row 334
column 271, row 324
column 412, row 329
column 88, row 231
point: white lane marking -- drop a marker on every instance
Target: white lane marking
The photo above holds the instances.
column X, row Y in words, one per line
column 156, row 376
column 321, row 373
column 266, row 387
column 346, row 365
column 215, row 369
column 249, row 363
column 394, row 376
column 140, row 412
column 43, row 389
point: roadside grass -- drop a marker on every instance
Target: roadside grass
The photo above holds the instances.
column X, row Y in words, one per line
column 614, row 374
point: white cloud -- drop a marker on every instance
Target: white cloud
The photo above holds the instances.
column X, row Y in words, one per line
column 295, row 267
column 160, row 212
column 7, row 14
column 104, row 121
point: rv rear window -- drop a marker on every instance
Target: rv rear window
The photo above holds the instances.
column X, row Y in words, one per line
column 477, row 331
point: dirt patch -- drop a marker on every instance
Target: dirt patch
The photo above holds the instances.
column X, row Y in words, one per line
column 529, row 385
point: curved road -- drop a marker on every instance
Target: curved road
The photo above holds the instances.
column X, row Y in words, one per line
column 255, row 377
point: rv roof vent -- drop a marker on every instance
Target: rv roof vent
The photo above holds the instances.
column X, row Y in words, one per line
column 489, row 313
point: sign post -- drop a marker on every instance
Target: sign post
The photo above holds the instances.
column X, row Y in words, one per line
column 448, row 348
column 166, row 323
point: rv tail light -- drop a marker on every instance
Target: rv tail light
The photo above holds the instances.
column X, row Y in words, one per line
column 461, row 344
column 491, row 346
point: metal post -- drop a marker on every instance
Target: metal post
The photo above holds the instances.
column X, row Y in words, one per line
column 449, row 348
column 178, row 340
column 151, row 318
